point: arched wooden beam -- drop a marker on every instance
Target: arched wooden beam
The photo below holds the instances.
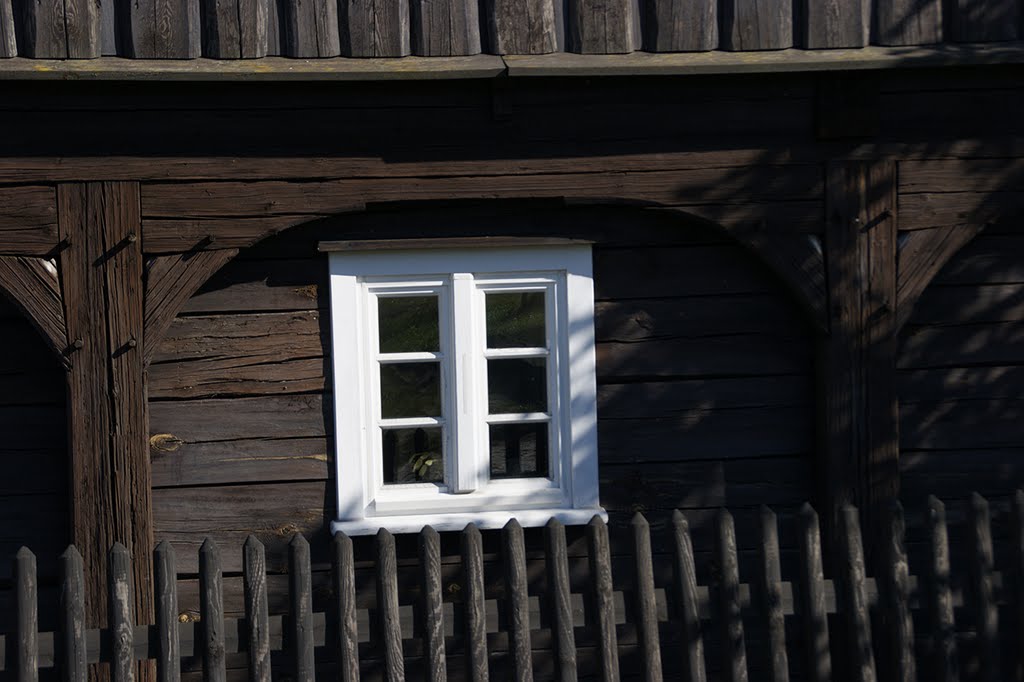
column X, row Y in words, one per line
column 170, row 281
column 922, row 254
column 32, row 284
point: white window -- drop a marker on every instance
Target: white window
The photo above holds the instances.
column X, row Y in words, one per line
column 463, row 383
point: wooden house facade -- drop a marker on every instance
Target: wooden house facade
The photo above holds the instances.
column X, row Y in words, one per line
column 808, row 262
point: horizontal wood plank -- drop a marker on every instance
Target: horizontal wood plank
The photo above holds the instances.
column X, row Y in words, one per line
column 28, row 221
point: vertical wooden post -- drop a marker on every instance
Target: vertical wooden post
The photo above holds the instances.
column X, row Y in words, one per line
column 101, row 282
column 858, row 425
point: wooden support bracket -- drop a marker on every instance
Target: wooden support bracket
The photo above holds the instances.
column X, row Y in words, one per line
column 32, row 284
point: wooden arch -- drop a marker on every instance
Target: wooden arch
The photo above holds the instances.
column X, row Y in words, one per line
column 172, row 278
column 34, row 287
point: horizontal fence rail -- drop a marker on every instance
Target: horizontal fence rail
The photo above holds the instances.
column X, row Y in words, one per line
column 879, row 627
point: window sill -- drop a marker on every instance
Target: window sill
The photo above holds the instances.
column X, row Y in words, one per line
column 528, row 518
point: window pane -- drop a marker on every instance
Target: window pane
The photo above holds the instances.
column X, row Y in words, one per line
column 517, row 385
column 516, row 320
column 519, row 450
column 408, row 324
column 410, row 389
column 413, row 455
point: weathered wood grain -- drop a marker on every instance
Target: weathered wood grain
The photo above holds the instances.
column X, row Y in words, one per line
column 83, row 29
column 814, row 619
column 165, row 581
column 253, row 459
column 908, row 22
column 471, row 546
column 8, row 39
column 221, row 29
column 516, row 584
column 754, row 25
column 976, row 21
column 686, row 600
column 603, row 26
column 860, row 453
column 28, row 221
column 165, row 29
column 681, row 25
column 835, row 23
column 523, row 26
column 72, row 629
column 256, row 609
column 253, row 28
column 300, row 590
column 371, row 29
column 943, row 646
column 121, row 603
column 343, row 583
column 602, row 588
column 311, row 29
column 928, row 210
column 170, row 281
column 851, row 595
column 26, row 636
column 211, row 613
column 894, row 586
column 389, row 625
column 433, row 613
column 769, row 595
column 299, row 416
column 445, row 28
column 982, row 588
column 43, row 30
column 101, row 282
column 922, row 255
column 1016, row 573
column 645, row 604
column 32, row 284
column 559, row 600
column 726, row 600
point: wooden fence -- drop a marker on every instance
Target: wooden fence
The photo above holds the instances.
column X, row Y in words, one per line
column 855, row 616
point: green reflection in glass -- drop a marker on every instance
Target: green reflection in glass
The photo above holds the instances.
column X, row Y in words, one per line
column 517, row 385
column 408, row 324
column 515, row 320
column 519, row 450
column 410, row 389
column 413, row 455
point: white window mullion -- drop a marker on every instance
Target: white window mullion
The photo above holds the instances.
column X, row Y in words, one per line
column 466, row 474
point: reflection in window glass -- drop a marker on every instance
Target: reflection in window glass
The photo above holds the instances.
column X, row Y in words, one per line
column 413, row 455
column 410, row 389
column 515, row 320
column 408, row 324
column 519, row 450
column 517, row 385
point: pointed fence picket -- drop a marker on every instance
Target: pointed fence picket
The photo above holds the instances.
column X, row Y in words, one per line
column 874, row 617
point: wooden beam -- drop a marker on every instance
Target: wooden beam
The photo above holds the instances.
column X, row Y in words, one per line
column 32, row 284
column 523, row 26
column 101, row 281
column 28, row 221
column 170, row 281
column 858, row 427
column 922, row 254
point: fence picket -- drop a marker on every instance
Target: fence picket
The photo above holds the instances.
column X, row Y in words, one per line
column 646, row 606
column 120, row 600
column 769, row 589
column 812, row 598
column 514, row 558
column 387, row 607
column 1017, row 599
column 895, row 588
column 72, row 661
column 601, row 593
column 165, row 581
column 433, row 614
column 685, row 574
column 27, row 615
column 343, row 578
column 852, row 595
column 986, row 616
column 940, row 596
column 300, row 589
column 726, row 590
column 254, row 564
column 476, row 616
column 211, row 613
column 560, row 599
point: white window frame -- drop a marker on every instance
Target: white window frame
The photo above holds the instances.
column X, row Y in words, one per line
column 461, row 276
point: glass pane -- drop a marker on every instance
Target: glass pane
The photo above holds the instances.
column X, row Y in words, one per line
column 519, row 450
column 410, row 389
column 408, row 324
column 516, row 320
column 517, row 385
column 413, row 455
